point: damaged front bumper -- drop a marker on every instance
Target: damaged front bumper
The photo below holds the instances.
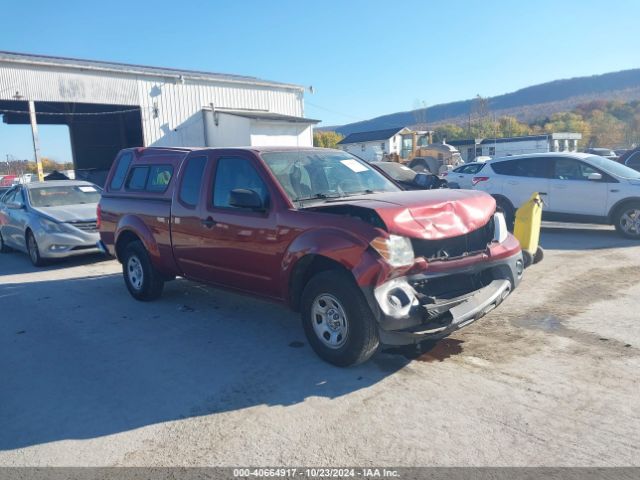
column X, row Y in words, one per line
column 427, row 305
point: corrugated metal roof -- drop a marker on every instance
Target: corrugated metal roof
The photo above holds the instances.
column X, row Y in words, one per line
column 489, row 141
column 75, row 63
column 264, row 115
column 361, row 137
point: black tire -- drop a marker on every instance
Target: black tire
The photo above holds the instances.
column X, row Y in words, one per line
column 33, row 251
column 503, row 205
column 527, row 258
column 539, row 256
column 620, row 220
column 143, row 281
column 3, row 246
column 361, row 338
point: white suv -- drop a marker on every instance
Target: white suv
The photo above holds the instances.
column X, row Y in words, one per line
column 576, row 187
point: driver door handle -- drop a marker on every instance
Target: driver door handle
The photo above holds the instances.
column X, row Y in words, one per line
column 208, row 222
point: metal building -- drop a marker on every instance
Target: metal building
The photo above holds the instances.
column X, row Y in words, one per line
column 110, row 106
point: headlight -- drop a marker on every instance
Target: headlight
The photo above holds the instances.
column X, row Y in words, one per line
column 396, row 250
column 500, row 231
column 50, row 226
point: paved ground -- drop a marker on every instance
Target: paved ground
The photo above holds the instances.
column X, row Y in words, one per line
column 88, row 376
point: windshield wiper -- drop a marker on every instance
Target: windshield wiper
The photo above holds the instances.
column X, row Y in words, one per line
column 368, row 191
column 318, row 196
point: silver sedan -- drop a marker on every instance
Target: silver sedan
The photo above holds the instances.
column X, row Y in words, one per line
column 51, row 219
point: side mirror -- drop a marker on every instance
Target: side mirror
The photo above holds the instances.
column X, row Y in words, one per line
column 15, row 205
column 245, row 198
column 595, row 177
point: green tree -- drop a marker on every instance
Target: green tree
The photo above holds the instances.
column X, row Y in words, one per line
column 326, row 139
column 448, row 131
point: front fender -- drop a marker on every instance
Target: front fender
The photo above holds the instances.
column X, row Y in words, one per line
column 344, row 248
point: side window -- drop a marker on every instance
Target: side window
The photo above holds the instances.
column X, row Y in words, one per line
column 505, row 168
column 9, row 196
column 634, row 161
column 192, row 181
column 232, row 173
column 571, row 169
column 159, row 178
column 533, row 167
column 121, row 171
column 524, row 167
column 137, row 178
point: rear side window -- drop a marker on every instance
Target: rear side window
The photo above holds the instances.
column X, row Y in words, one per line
column 192, row 181
column 137, row 178
column 524, row 167
column 159, row 178
column 121, row 171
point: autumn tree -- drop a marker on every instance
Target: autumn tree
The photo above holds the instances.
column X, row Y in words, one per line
column 326, row 139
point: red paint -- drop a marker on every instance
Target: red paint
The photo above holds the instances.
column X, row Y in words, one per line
column 259, row 252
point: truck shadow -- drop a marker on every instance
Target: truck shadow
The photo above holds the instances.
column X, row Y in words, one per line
column 15, row 262
column 81, row 359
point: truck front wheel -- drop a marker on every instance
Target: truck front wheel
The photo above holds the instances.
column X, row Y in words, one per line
column 337, row 320
column 143, row 281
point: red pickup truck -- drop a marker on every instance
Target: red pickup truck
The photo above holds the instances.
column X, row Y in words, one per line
column 319, row 230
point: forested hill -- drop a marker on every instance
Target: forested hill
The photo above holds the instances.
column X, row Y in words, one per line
column 526, row 104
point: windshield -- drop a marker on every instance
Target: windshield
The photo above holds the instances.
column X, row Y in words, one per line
column 63, row 195
column 317, row 174
column 613, row 167
column 397, row 171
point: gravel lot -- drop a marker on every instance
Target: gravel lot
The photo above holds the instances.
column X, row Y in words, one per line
column 88, row 376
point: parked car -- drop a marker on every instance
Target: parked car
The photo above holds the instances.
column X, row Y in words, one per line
column 603, row 152
column 576, row 187
column 462, row 177
column 319, row 230
column 410, row 179
column 53, row 219
column 632, row 159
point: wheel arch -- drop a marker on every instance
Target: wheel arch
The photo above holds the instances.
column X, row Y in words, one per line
column 131, row 228
column 616, row 206
column 305, row 269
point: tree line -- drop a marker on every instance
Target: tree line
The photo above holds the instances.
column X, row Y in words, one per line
column 602, row 123
column 20, row 167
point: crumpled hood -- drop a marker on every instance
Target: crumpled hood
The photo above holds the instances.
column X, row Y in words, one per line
column 428, row 214
column 70, row 213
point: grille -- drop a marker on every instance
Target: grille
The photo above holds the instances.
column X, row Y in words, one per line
column 85, row 226
column 454, row 247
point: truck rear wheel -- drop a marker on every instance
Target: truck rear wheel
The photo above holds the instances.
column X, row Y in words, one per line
column 337, row 320
column 143, row 281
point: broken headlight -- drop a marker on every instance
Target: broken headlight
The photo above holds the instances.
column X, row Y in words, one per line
column 396, row 250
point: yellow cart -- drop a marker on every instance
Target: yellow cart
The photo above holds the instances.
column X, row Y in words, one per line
column 527, row 229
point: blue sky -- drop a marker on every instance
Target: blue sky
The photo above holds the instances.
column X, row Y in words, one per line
column 363, row 58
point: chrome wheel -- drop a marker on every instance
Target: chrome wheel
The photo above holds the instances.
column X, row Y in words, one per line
column 135, row 272
column 329, row 321
column 32, row 246
column 630, row 222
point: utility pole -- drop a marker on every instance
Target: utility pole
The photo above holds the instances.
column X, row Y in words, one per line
column 36, row 139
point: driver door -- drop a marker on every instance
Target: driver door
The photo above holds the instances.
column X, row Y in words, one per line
column 238, row 247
